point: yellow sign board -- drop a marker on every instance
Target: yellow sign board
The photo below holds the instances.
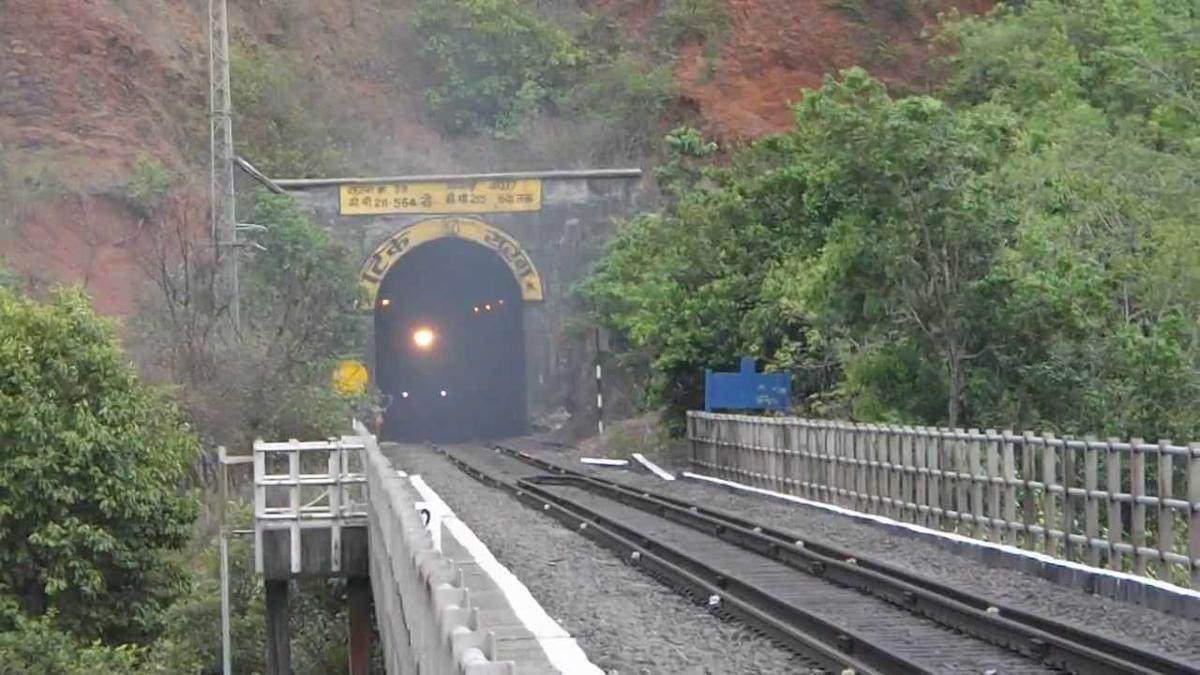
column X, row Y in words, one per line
column 350, row 378
column 483, row 196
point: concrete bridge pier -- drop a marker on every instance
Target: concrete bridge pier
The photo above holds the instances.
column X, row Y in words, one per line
column 279, row 648
column 279, row 652
column 359, row 600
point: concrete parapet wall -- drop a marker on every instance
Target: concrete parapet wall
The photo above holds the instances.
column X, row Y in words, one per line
column 428, row 621
column 442, row 602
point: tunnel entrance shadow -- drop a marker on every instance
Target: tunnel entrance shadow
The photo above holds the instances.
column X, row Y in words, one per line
column 450, row 345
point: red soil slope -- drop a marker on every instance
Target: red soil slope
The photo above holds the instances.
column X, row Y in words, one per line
column 88, row 85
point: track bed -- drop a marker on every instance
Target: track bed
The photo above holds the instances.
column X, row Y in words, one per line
column 825, row 608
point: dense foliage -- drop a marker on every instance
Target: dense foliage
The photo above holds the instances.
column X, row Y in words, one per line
column 275, row 103
column 269, row 379
column 89, row 477
column 98, row 574
column 498, row 61
column 1018, row 250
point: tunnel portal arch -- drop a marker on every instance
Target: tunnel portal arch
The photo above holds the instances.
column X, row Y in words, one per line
column 409, row 238
column 466, row 285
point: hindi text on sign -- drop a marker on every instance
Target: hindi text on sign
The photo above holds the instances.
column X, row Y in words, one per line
column 486, row 196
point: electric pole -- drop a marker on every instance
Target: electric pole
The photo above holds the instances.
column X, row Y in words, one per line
column 221, row 193
column 224, row 237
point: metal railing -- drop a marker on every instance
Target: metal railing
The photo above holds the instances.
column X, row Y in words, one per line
column 1084, row 500
column 308, row 485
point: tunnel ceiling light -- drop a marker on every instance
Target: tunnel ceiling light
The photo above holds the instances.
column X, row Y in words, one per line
column 385, row 302
column 501, row 302
column 488, row 307
column 476, row 309
column 424, row 338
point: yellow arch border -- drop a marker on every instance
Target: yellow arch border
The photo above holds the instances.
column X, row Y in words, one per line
column 472, row 229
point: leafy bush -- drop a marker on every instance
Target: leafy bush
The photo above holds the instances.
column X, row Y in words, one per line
column 699, row 21
column 90, row 474
column 628, row 96
column 287, row 123
column 149, row 184
column 37, row 646
column 498, row 61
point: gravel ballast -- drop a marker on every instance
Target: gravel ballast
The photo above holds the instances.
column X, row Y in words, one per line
column 625, row 621
column 1130, row 623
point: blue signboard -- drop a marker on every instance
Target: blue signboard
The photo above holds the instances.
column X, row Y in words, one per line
column 746, row 389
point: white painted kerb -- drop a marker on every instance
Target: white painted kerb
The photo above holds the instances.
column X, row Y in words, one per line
column 654, row 468
column 560, row 648
column 925, row 531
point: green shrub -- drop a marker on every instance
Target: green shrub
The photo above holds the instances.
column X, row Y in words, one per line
column 498, row 61
column 38, row 647
column 628, row 96
column 288, row 123
column 694, row 21
column 149, row 184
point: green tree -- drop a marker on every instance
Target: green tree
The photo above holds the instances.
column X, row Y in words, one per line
column 1096, row 285
column 90, row 474
column 911, row 218
column 1018, row 251
column 301, row 314
column 148, row 185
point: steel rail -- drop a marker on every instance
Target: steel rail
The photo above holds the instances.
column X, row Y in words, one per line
column 1038, row 637
column 664, row 563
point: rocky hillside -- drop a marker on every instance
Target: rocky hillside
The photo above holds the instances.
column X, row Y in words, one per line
column 103, row 102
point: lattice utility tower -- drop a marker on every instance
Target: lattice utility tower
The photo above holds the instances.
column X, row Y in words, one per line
column 221, row 194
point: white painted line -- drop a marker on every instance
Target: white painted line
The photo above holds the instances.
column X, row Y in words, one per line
column 601, row 461
column 560, row 648
column 654, row 468
column 1013, row 550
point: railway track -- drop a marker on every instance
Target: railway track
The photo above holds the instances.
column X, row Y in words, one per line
column 845, row 612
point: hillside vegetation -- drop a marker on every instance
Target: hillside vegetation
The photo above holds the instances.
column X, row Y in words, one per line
column 1007, row 238
column 1016, row 249
column 404, row 86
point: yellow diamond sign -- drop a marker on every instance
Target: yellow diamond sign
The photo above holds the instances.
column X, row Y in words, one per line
column 350, row 378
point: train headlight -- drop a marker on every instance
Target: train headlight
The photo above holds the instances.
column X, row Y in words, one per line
column 424, row 338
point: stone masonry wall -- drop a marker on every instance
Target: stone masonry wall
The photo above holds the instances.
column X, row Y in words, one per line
column 564, row 238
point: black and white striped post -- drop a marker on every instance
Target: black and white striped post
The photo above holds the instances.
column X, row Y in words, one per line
column 599, row 388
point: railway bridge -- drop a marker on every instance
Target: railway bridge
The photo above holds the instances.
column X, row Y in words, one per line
column 849, row 548
column 839, row 547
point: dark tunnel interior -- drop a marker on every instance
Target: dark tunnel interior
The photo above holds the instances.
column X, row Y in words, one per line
column 450, row 346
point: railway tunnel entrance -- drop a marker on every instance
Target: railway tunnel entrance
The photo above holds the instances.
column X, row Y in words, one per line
column 450, row 333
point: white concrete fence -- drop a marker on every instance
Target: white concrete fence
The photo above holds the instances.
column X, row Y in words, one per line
column 427, row 620
column 1083, row 500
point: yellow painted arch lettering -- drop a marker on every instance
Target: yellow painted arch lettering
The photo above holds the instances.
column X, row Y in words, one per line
column 473, row 229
